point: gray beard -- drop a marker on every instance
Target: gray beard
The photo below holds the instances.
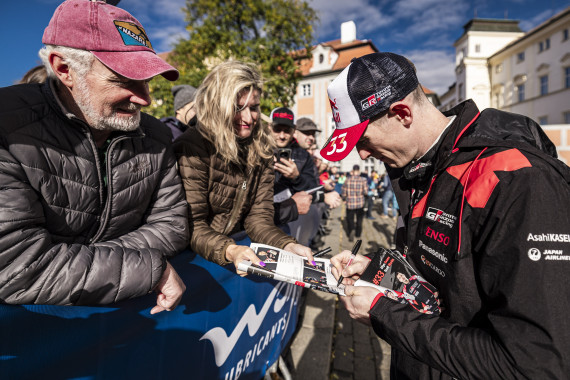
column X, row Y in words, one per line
column 105, row 123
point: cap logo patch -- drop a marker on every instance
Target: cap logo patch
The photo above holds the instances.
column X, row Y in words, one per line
column 375, row 98
column 283, row 115
column 132, row 34
column 336, row 114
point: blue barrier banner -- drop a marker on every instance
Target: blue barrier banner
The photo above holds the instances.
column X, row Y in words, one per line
column 226, row 327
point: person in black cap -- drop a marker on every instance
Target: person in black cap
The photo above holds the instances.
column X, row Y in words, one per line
column 480, row 193
column 184, row 96
column 295, row 172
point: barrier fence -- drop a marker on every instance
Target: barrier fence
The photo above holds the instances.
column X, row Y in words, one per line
column 226, row 327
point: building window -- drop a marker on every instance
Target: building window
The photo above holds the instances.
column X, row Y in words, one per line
column 565, row 35
column 477, row 48
column 520, row 92
column 544, row 85
column 499, row 68
column 567, row 76
column 520, row 57
column 306, row 90
column 566, row 117
column 321, row 58
column 543, row 120
column 544, row 45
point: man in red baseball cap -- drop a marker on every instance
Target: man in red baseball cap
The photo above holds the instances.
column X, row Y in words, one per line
column 482, row 195
column 91, row 204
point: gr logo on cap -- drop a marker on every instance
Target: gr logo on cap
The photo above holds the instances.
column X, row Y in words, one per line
column 364, row 89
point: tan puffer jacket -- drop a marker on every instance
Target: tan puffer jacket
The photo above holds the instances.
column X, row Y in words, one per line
column 223, row 199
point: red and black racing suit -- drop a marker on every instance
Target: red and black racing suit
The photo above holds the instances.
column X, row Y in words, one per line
column 488, row 225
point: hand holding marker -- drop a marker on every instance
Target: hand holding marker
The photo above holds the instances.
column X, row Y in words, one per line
column 352, row 256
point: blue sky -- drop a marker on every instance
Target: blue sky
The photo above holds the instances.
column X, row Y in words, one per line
column 422, row 30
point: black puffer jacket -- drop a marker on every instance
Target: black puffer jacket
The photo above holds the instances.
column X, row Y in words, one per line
column 489, row 227
column 61, row 240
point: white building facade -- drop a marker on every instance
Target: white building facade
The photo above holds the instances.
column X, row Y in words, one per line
column 327, row 61
column 499, row 66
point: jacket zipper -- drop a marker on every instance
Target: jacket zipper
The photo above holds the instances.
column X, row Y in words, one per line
column 107, row 206
column 237, row 207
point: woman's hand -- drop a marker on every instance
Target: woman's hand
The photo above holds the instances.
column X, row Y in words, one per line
column 301, row 250
column 352, row 272
column 238, row 253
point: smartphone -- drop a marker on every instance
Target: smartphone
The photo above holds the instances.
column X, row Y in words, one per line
column 283, row 153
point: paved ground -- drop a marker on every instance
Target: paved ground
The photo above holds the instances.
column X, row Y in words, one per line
column 329, row 344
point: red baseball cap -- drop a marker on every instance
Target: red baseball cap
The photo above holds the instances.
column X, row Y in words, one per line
column 364, row 89
column 115, row 37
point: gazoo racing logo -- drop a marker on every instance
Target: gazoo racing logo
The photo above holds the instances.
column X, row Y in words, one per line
column 440, row 217
column 375, row 98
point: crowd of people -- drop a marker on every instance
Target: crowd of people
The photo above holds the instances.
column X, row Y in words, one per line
column 97, row 196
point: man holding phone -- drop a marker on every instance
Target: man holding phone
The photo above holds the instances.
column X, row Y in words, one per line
column 294, row 167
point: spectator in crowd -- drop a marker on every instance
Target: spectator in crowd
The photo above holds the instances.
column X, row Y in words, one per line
column 185, row 112
column 354, row 192
column 36, row 74
column 488, row 205
column 387, row 197
column 322, row 172
column 91, row 204
column 340, row 182
column 305, row 132
column 226, row 164
column 295, row 172
column 298, row 173
column 372, row 194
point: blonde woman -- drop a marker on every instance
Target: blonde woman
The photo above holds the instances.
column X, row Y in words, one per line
column 226, row 164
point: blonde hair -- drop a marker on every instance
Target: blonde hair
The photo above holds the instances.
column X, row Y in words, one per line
column 217, row 104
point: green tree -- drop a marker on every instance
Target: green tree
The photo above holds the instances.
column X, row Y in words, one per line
column 266, row 32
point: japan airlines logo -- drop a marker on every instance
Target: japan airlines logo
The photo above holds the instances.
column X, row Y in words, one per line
column 224, row 344
column 534, row 254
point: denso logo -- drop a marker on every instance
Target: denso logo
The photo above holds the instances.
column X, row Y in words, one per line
column 437, row 236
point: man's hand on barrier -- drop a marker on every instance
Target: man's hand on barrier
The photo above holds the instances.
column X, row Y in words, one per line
column 301, row 250
column 170, row 289
column 303, row 202
column 288, row 168
column 238, row 253
column 333, row 199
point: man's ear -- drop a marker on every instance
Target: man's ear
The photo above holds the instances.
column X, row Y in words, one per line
column 402, row 111
column 61, row 69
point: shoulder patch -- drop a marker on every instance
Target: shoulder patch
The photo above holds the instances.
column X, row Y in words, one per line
column 480, row 174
